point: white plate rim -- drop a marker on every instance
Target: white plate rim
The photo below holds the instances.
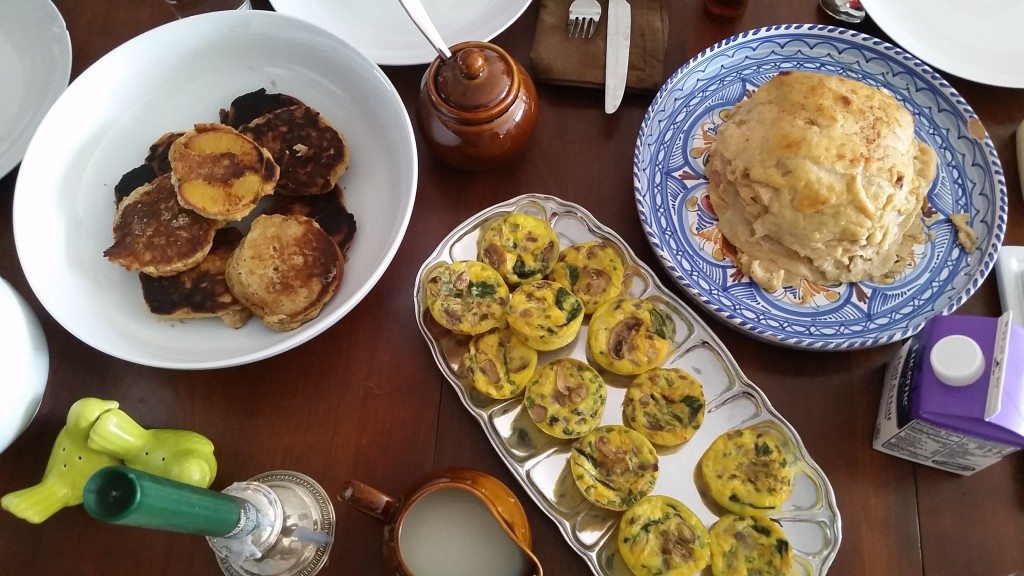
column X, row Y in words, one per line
column 298, row 336
column 40, row 106
column 424, row 55
column 937, row 56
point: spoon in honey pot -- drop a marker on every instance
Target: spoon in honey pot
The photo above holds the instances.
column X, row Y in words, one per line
column 419, row 16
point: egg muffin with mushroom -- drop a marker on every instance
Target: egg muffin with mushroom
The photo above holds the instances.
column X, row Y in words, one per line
column 745, row 545
column 566, row 398
column 544, row 314
column 660, row 536
column 466, row 297
column 747, row 472
column 522, row 248
column 666, row 405
column 614, row 467
column 628, row 336
column 500, row 364
column 592, row 270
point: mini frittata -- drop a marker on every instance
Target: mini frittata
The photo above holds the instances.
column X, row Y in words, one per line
column 566, row 398
column 544, row 314
column 522, row 248
column 660, row 536
column 747, row 472
column 749, row 545
column 466, row 297
column 614, row 466
column 592, row 270
column 666, row 405
column 500, row 364
column 628, row 336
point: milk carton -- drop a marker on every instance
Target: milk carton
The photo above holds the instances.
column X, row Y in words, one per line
column 954, row 395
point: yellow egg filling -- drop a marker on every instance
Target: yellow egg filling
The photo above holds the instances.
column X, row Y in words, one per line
column 660, row 536
column 629, row 336
column 500, row 364
column 666, row 405
column 545, row 315
column 614, row 467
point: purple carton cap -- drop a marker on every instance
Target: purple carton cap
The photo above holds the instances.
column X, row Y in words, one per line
column 980, row 395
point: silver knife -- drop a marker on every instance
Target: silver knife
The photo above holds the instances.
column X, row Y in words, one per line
column 616, row 61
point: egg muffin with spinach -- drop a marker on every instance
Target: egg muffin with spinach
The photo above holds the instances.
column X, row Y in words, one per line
column 747, row 472
column 544, row 314
column 614, row 467
column 592, row 270
column 660, row 536
column 500, row 364
column 466, row 297
column 566, row 398
column 629, row 335
column 522, row 248
column 666, row 405
column 746, row 545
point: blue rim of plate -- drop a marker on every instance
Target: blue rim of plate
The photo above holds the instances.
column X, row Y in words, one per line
column 668, row 183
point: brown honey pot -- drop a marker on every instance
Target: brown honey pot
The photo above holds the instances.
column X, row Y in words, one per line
column 478, row 108
column 451, row 502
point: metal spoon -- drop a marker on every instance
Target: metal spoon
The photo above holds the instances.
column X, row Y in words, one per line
column 846, row 10
column 419, row 16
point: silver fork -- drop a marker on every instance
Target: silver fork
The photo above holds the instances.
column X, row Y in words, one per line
column 583, row 18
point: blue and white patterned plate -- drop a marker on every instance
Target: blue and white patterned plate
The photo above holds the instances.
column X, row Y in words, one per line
column 671, row 191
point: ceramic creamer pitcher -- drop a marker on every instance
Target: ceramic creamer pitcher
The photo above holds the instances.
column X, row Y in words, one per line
column 457, row 522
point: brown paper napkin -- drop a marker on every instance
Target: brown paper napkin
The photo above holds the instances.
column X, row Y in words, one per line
column 559, row 59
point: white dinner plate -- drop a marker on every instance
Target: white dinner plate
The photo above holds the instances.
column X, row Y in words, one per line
column 35, row 65
column 383, row 31
column 979, row 40
column 26, row 362
column 168, row 79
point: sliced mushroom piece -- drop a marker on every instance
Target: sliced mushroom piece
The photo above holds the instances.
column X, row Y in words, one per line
column 517, row 364
column 539, row 413
column 622, row 335
column 490, row 371
column 494, row 255
column 547, row 254
column 592, row 282
column 461, row 281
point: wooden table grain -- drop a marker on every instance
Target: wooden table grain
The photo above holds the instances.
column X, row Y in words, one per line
column 365, row 400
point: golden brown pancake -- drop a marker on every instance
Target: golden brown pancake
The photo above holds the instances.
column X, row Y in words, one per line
column 327, row 209
column 251, row 106
column 285, row 270
column 201, row 291
column 155, row 235
column 312, row 154
column 221, row 173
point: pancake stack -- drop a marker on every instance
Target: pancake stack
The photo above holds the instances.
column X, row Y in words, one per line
column 189, row 218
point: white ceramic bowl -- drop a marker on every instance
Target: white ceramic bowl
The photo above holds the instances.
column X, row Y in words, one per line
column 167, row 79
column 26, row 365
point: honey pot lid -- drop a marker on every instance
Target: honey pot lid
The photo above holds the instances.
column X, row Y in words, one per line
column 476, row 78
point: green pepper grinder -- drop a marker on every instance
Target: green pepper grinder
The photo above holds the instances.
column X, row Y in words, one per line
column 276, row 524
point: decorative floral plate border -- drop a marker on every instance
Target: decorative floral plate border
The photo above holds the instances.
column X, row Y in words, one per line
column 671, row 197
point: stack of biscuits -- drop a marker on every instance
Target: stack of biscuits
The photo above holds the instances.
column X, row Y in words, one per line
column 240, row 217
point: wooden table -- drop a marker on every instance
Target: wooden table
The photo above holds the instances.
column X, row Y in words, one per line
column 342, row 407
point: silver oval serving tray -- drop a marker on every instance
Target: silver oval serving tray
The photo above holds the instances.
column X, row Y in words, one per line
column 810, row 516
